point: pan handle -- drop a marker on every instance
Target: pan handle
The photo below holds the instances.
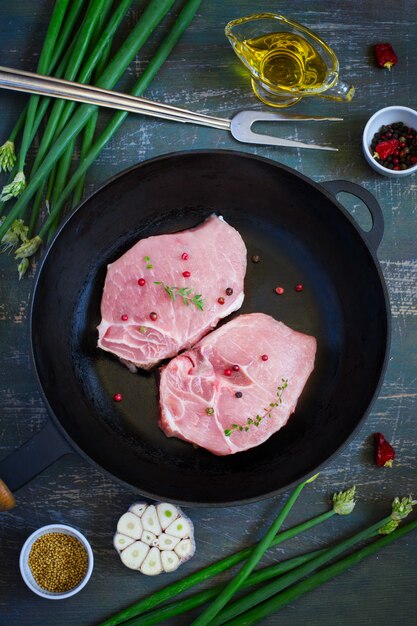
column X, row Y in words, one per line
column 47, row 446
column 374, row 236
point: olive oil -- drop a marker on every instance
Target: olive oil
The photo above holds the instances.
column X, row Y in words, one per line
column 284, row 60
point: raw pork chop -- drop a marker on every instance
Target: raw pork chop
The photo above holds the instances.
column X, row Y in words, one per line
column 202, row 396
column 143, row 324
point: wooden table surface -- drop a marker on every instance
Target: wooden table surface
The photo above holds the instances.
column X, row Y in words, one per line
column 204, row 75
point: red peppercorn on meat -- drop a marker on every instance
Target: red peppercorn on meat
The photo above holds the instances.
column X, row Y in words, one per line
column 205, row 400
column 158, row 299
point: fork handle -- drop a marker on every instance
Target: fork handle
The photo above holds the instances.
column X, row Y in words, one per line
column 29, row 82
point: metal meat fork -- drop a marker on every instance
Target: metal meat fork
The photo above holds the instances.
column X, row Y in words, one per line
column 240, row 125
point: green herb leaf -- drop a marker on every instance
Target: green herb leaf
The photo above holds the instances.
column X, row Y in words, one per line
column 258, row 419
column 185, row 293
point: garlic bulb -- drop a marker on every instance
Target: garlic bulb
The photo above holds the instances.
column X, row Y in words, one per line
column 154, row 538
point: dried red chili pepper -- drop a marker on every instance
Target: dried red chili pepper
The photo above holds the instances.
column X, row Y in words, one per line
column 385, row 55
column 384, row 148
column 384, row 452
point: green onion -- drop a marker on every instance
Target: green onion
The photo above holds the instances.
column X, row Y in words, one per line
column 153, row 14
column 65, row 161
column 234, row 585
column 94, row 58
column 258, row 596
column 89, row 130
column 62, row 109
column 64, row 35
column 62, row 170
column 86, row 31
column 86, row 144
column 255, row 615
column 144, row 81
column 42, row 68
column 191, row 602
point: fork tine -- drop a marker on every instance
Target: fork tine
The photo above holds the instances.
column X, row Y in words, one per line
column 241, row 130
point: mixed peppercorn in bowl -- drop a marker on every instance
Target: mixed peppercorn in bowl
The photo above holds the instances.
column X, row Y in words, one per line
column 389, row 141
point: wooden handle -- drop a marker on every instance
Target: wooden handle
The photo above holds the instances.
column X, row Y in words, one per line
column 7, row 500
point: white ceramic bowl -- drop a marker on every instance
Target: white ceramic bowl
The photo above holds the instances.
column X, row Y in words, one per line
column 26, row 571
column 384, row 117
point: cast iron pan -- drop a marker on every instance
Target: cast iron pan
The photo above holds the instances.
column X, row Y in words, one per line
column 302, row 234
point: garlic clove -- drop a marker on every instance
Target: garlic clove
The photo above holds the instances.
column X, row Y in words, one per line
column 180, row 528
column 129, row 524
column 167, row 513
column 185, row 549
column 152, row 565
column 149, row 538
column 170, row 560
column 138, row 508
column 134, row 555
column 167, row 542
column 150, row 520
column 121, row 541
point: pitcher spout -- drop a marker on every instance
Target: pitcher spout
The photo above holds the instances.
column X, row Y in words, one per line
column 340, row 91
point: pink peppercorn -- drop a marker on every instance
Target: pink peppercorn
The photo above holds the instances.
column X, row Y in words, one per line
column 186, row 274
column 264, row 357
column 279, row 290
column 117, row 397
column 141, row 282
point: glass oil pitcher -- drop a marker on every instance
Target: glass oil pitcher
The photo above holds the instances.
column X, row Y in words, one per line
column 286, row 60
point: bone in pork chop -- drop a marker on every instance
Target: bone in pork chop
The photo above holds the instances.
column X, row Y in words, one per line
column 143, row 322
column 237, row 386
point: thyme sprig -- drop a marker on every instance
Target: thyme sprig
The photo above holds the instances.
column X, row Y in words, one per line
column 258, row 419
column 149, row 265
column 183, row 292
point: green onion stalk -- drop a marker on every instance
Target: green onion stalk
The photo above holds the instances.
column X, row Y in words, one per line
column 88, row 133
column 343, row 504
column 62, row 109
column 180, row 607
column 89, row 129
column 151, row 17
column 162, row 53
column 87, row 30
column 257, row 553
column 390, row 533
column 86, row 144
column 40, row 113
column 400, row 510
column 94, row 18
column 16, row 187
column 284, row 575
column 7, row 150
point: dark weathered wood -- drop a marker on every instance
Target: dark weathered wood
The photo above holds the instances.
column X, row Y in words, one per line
column 203, row 74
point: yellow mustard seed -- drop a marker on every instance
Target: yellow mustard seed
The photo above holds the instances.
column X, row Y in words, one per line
column 58, row 562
